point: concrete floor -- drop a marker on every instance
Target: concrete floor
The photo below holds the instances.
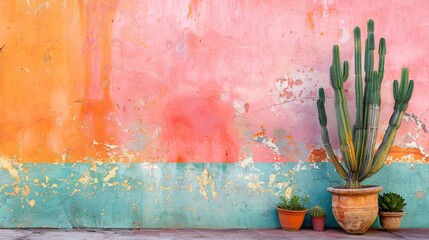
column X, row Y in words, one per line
column 125, row 234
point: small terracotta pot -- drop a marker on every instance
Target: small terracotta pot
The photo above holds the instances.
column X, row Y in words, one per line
column 291, row 220
column 390, row 220
column 318, row 223
column 355, row 209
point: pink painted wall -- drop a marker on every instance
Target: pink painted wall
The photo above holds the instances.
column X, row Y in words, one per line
column 204, row 78
column 193, row 81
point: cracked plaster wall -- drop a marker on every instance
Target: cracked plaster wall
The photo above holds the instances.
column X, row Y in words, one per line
column 189, row 113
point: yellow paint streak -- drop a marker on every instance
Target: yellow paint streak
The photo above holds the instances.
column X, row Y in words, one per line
column 93, row 167
column 74, row 191
column 126, row 185
column 206, row 180
column 3, row 186
column 189, row 188
column 112, row 174
column 9, row 165
column 164, row 188
column 85, row 178
column 288, row 192
column 254, row 183
column 32, row 202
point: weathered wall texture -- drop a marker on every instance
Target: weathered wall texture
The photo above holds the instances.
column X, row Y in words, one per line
column 190, row 113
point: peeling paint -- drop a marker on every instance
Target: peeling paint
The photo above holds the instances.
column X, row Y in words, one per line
column 206, row 180
column 12, row 166
column 254, row 183
column 248, row 161
column 110, row 175
column 125, row 128
column 32, row 202
column 420, row 194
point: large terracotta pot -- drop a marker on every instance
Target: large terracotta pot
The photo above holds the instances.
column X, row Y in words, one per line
column 291, row 219
column 390, row 220
column 355, row 209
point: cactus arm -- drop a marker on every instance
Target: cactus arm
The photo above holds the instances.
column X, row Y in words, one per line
column 368, row 67
column 357, row 136
column 374, row 111
column 383, row 150
column 374, row 116
column 325, row 136
column 338, row 78
column 402, row 96
column 338, row 167
column 381, row 58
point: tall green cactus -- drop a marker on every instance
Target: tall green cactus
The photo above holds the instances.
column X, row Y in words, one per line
column 357, row 146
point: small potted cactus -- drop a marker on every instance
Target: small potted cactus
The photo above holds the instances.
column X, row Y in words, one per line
column 391, row 210
column 292, row 212
column 318, row 216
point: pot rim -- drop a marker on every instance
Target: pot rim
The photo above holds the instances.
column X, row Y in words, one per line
column 295, row 211
column 391, row 214
column 365, row 189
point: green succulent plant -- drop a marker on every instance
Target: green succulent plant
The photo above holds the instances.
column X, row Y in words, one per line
column 391, row 202
column 317, row 211
column 357, row 144
column 294, row 203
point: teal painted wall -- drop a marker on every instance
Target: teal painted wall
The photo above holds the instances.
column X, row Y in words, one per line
column 170, row 195
column 191, row 114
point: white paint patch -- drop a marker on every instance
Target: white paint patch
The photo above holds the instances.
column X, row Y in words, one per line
column 277, row 184
column 271, row 145
column 420, row 130
column 314, row 165
column 300, row 166
column 343, row 35
column 254, row 183
column 239, row 107
column 248, row 161
column 224, row 97
column 115, row 152
column 148, row 165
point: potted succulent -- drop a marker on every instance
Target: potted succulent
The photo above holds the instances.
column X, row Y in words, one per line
column 318, row 216
column 292, row 212
column 355, row 206
column 391, row 210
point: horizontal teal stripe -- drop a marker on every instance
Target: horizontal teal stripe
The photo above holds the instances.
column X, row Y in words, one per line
column 184, row 195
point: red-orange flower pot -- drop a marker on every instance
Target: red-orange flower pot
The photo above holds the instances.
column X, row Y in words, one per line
column 291, row 220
